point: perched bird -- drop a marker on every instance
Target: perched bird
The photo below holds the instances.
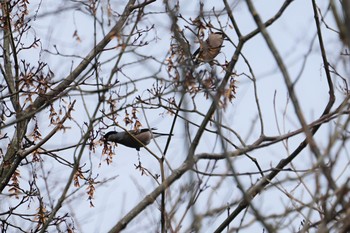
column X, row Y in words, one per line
column 133, row 138
column 209, row 48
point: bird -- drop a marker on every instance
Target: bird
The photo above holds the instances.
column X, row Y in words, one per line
column 209, row 48
column 134, row 138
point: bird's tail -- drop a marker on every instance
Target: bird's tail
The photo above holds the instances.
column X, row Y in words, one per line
column 156, row 134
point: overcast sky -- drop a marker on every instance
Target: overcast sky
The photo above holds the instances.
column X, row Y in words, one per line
column 293, row 34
